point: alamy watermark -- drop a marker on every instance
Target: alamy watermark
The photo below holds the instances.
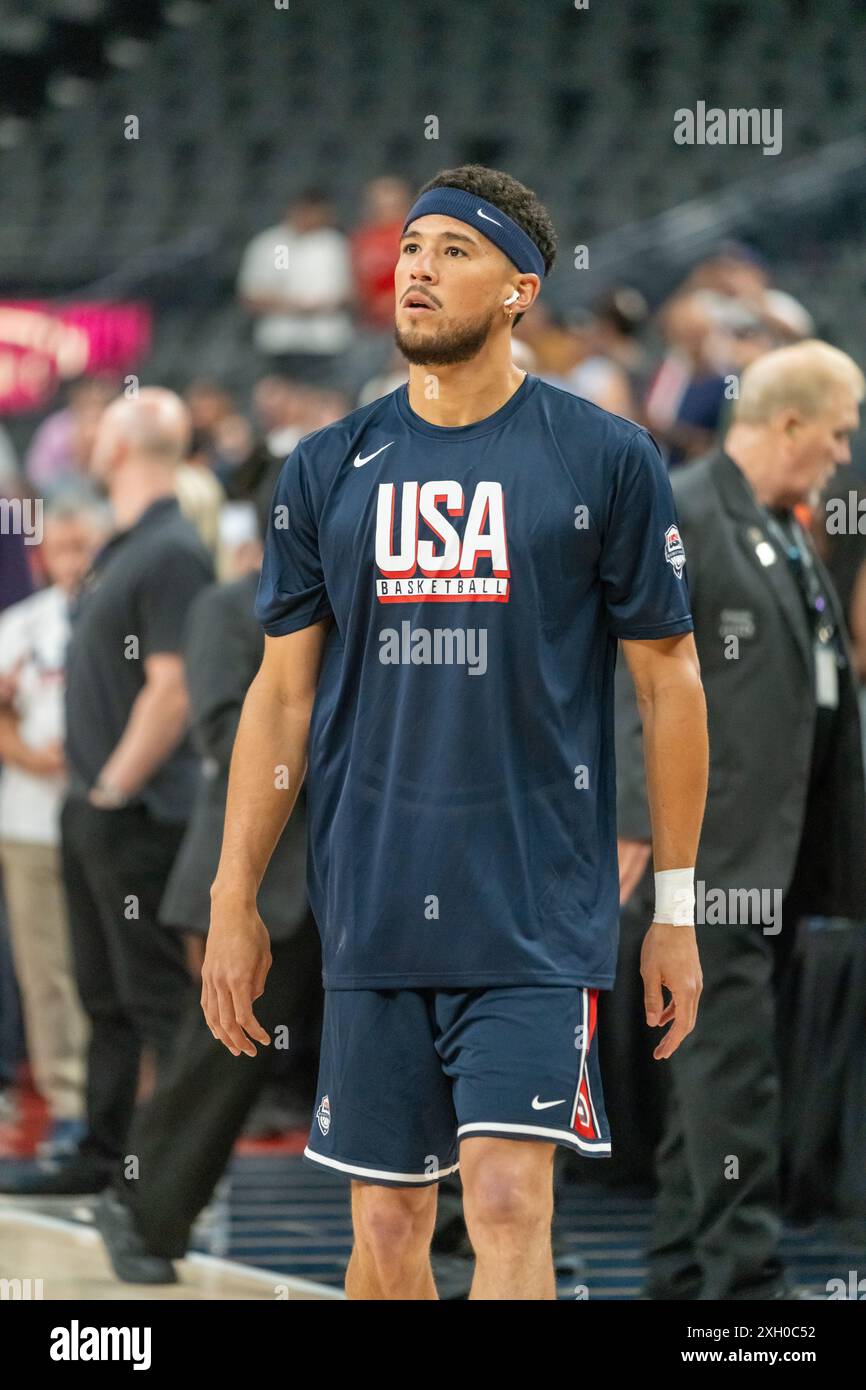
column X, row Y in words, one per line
column 22, row 516
column 77, row 1343
column 737, row 126
column 730, row 907
column 846, row 516
column 438, row 646
column 21, row 1290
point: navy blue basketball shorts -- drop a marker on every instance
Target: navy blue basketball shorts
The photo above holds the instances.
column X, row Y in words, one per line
column 406, row 1074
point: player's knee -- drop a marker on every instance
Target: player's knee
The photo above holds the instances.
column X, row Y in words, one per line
column 503, row 1197
column 393, row 1225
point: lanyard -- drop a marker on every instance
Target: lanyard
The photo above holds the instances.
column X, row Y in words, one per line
column 799, row 557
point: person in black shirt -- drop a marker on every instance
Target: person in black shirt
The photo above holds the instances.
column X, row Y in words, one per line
column 184, row 1136
column 132, row 773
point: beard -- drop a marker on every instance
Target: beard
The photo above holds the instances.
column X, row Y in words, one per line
column 445, row 348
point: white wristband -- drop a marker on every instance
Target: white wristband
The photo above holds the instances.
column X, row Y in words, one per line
column 675, row 897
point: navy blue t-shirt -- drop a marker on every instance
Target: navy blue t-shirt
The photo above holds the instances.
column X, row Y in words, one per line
column 461, row 778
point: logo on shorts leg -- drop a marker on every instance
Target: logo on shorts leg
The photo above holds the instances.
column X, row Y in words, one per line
column 674, row 551
column 323, row 1115
column 538, row 1104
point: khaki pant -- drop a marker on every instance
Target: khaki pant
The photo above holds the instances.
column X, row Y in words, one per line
column 54, row 1021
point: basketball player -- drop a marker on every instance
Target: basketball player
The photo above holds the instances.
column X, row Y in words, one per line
column 447, row 574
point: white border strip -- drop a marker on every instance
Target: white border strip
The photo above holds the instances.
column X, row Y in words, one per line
column 380, row 1172
column 563, row 1136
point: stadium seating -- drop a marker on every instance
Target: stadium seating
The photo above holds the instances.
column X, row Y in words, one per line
column 252, row 103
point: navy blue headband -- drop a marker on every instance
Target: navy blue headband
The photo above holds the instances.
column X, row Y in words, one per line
column 488, row 219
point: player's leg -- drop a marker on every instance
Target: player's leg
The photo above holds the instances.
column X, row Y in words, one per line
column 385, row 1119
column 393, row 1228
column 508, row 1208
column 524, row 1064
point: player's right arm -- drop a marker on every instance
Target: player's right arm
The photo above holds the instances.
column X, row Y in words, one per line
column 268, row 764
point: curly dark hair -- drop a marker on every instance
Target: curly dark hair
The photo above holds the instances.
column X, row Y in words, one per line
column 514, row 198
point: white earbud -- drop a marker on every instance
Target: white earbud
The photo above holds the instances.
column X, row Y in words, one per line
column 511, row 298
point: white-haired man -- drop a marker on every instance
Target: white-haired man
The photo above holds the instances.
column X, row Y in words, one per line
column 784, row 828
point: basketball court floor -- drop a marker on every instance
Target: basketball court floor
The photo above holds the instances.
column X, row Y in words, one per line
column 279, row 1228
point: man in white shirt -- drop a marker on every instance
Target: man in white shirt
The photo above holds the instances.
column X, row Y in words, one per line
column 33, row 637
column 295, row 280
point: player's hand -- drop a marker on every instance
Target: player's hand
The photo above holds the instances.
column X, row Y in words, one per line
column 236, row 965
column 669, row 957
column 633, row 858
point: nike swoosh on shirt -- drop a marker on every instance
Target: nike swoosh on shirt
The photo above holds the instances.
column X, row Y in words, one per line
column 359, row 461
column 545, row 1104
column 486, row 218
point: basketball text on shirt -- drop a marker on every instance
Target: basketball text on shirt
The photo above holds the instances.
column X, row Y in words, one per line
column 444, row 568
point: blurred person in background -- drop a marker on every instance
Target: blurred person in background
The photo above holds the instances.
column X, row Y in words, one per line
column 184, row 1136
column 619, row 317
column 132, row 774
column 325, row 407
column 734, row 270
column 742, row 335
column 222, row 437
column 784, row 817
column 566, row 352
column 724, row 315
column 552, row 341
column 596, row 376
column 786, row 318
column 839, row 533
column 201, row 497
column 295, row 281
column 16, row 570
column 686, row 397
column 285, row 410
column 16, row 582
column 312, row 410
column 738, row 273
column 33, row 638
column 62, row 445
column 282, row 409
column 612, row 370
column 522, row 355
column 8, row 459
column 393, row 373
column 374, row 246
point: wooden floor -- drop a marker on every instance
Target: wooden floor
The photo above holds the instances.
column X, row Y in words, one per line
column 71, row 1262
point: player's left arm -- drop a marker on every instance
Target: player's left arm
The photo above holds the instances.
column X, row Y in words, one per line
column 670, row 696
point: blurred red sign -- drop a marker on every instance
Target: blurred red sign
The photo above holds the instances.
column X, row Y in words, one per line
column 42, row 345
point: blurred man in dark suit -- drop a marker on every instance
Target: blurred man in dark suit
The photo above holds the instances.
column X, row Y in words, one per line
column 183, row 1139
column 784, row 829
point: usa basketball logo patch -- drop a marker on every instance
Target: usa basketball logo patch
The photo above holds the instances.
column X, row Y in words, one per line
column 323, row 1115
column 674, row 552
